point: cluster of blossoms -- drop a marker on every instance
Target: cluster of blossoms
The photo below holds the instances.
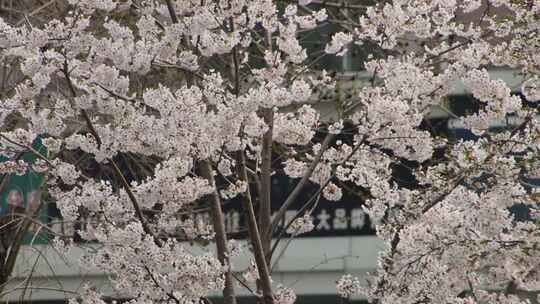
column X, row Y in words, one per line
column 284, row 295
column 13, row 167
column 453, row 238
column 348, row 286
column 107, row 68
column 301, row 225
column 234, row 189
column 214, row 90
column 332, row 192
column 251, row 274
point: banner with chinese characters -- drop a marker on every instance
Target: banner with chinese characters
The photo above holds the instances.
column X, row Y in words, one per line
column 343, row 218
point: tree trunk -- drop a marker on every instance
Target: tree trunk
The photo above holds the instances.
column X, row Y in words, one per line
column 254, row 235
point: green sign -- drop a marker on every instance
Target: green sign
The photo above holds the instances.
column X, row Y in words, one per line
column 20, row 195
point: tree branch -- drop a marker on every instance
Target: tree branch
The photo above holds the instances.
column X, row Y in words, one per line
column 219, row 228
column 172, row 13
column 265, row 211
column 254, row 235
column 300, row 185
column 116, row 169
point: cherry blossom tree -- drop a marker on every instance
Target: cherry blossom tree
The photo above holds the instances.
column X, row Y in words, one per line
column 225, row 90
